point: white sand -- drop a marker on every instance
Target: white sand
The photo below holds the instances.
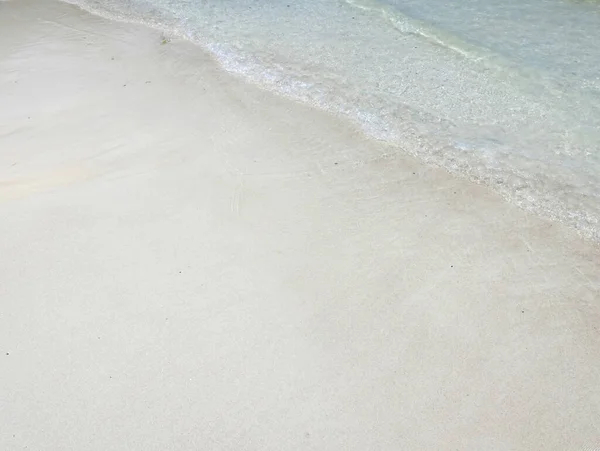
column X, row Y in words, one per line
column 190, row 263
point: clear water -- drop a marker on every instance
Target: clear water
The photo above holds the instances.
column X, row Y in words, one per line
column 504, row 93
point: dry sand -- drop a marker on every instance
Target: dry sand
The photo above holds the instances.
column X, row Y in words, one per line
column 188, row 262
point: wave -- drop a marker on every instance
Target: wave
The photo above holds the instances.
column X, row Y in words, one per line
column 536, row 80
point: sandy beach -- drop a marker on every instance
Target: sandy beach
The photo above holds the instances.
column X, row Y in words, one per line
column 188, row 262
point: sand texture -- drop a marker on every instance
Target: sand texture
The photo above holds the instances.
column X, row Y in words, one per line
column 188, row 262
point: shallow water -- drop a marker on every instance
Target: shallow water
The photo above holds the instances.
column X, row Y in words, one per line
column 505, row 93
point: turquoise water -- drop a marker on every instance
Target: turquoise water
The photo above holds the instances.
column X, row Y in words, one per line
column 504, row 93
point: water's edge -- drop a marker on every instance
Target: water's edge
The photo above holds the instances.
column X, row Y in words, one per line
column 401, row 110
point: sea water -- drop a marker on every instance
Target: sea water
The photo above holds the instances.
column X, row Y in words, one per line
column 504, row 93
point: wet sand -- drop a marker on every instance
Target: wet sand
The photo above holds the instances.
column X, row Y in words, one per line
column 189, row 262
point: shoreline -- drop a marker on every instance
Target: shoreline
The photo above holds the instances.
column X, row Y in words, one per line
column 189, row 261
column 562, row 192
